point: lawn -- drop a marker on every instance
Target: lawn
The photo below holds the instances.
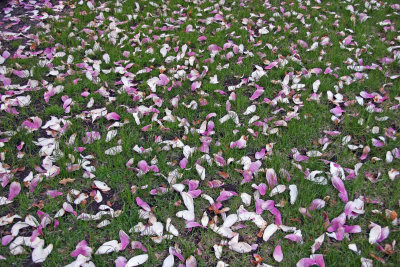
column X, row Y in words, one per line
column 199, row 133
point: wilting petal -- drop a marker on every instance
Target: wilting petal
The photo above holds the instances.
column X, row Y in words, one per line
column 317, row 244
column 272, row 179
column 138, row 245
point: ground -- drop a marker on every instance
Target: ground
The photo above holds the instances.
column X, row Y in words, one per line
column 199, row 133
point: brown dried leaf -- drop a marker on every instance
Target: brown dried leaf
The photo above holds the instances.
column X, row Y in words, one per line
column 66, row 180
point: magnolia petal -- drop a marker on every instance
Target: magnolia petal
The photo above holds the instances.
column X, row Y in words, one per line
column 278, row 255
column 317, row 244
column 269, row 231
column 108, row 247
column 39, row 254
column 137, row 260
column 374, row 234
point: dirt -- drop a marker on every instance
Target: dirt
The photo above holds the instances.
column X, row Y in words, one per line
column 8, row 24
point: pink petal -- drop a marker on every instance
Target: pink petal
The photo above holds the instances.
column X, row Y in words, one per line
column 348, row 40
column 195, row 193
column 339, row 185
column 183, row 163
column 278, row 255
column 262, row 188
column 143, row 166
column 337, row 111
column 82, row 249
column 257, row 94
column 255, row 166
column 6, row 239
column 142, row 204
column 15, row 188
column 176, row 253
column 124, row 239
column 225, row 195
column 220, row 160
column 352, row 229
column 293, row 237
column 112, row 116
column 377, row 143
column 260, row 154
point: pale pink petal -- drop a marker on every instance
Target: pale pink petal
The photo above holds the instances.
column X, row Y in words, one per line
column 68, row 208
column 120, row 261
column 278, row 255
column 272, row 179
column 260, row 154
column 293, row 237
column 317, row 204
column 192, row 224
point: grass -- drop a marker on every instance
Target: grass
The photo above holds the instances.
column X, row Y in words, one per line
column 142, row 32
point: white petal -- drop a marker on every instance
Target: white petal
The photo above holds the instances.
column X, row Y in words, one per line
column 205, row 219
column 137, row 260
column 109, row 247
column 188, row 201
column 218, row 251
column 201, row 171
column 171, row 228
column 293, row 193
column 269, row 231
column 278, row 190
column 110, row 135
column 102, row 186
column 246, row 199
column 103, row 224
column 39, row 254
column 169, row 261
column 230, row 220
column 374, row 234
column 113, row 151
